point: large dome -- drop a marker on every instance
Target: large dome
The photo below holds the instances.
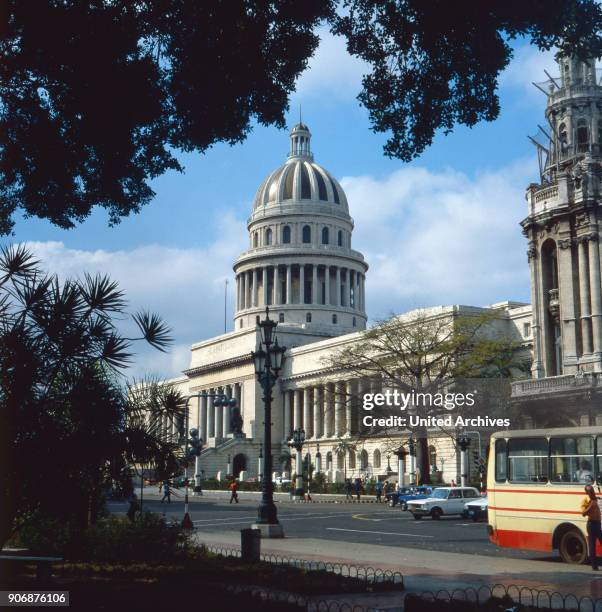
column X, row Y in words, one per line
column 300, row 180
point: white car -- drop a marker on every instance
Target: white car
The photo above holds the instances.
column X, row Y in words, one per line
column 476, row 509
column 443, row 501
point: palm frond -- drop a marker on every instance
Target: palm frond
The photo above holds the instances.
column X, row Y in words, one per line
column 154, row 330
column 102, row 294
column 17, row 260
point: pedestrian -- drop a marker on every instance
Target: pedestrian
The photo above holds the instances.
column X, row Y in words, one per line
column 452, row 483
column 233, row 491
column 590, row 509
column 379, row 491
column 133, row 501
column 166, row 492
column 358, row 488
column 348, row 490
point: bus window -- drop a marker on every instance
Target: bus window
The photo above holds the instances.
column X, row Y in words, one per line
column 599, row 460
column 501, row 472
column 528, row 459
column 572, row 459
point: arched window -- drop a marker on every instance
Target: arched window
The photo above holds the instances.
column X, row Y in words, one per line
column 352, row 459
column 240, row 323
column 281, row 318
column 325, row 235
column 306, row 234
column 563, row 137
column 308, row 317
column 255, row 239
column 268, row 236
column 334, row 319
column 364, row 460
column 340, row 238
column 376, row 458
column 433, row 458
column 286, row 235
column 582, row 136
column 328, row 461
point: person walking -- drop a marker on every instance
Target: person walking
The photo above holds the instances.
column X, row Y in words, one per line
column 233, row 491
column 166, row 492
column 379, row 491
column 590, row 509
column 358, row 488
column 348, row 490
column 133, row 501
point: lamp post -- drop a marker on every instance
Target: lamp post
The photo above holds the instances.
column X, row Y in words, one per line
column 318, row 459
column 412, row 452
column 194, row 445
column 268, row 363
column 297, row 442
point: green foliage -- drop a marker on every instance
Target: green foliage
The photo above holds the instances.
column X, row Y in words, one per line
column 62, row 396
column 193, row 74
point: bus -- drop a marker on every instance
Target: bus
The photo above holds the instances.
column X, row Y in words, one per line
column 535, row 486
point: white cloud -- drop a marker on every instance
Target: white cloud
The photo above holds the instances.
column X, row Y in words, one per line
column 183, row 285
column 527, row 67
column 430, row 238
column 332, row 72
column 441, row 238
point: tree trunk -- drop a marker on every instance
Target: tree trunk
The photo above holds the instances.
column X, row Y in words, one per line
column 422, row 456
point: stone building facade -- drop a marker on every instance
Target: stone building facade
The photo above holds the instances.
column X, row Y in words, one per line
column 563, row 232
column 300, row 263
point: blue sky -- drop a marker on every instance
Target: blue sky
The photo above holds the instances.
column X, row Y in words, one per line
column 443, row 229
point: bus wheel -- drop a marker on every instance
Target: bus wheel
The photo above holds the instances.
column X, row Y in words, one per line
column 572, row 547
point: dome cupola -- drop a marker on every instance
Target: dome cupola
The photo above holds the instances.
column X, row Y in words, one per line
column 300, row 261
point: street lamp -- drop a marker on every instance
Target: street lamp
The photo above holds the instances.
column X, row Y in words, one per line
column 268, row 360
column 412, row 451
column 463, row 443
column 297, row 442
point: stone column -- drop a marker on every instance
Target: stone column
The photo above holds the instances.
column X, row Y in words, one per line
column 595, row 291
column 210, row 416
column 219, row 424
column 326, row 285
column 314, row 285
column 286, row 434
column 238, row 397
column 254, row 301
column 584, row 298
column 265, row 286
column 278, row 293
column 289, row 284
column 348, row 407
column 307, row 424
column 243, row 304
column 329, row 414
column 537, row 368
column 337, row 301
column 339, row 414
column 297, row 409
column 349, row 286
column 301, row 284
column 318, row 396
column 203, row 417
column 358, row 299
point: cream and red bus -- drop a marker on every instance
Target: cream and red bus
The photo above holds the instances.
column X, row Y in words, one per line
column 535, row 486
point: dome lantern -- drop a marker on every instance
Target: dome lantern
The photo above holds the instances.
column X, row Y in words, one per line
column 300, row 142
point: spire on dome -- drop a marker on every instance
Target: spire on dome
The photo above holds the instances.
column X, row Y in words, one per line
column 300, row 141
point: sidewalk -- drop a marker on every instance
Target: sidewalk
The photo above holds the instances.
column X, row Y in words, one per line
column 427, row 570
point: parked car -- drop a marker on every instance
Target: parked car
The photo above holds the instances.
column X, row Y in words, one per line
column 405, row 494
column 476, row 509
column 443, row 501
column 279, row 481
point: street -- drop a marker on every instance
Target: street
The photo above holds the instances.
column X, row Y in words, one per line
column 357, row 523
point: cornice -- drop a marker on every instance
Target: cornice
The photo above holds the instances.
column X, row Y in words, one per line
column 218, row 365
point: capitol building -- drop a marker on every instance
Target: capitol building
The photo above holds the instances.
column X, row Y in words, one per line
column 301, row 264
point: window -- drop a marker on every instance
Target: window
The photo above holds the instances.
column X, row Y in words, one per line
column 364, row 460
column 455, row 494
column 281, row 318
column 324, row 235
column 469, row 493
column 526, row 330
column 501, row 473
column 257, row 319
column 286, row 235
column 354, row 322
column 572, row 459
column 240, row 323
column 268, row 236
column 528, row 460
column 255, row 239
column 308, row 317
column 340, row 238
column 334, row 319
column 582, row 135
column 376, row 458
column 306, row 234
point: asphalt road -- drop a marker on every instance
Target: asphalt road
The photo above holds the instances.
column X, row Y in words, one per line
column 361, row 523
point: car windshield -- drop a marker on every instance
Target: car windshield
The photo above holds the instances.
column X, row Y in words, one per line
column 440, row 494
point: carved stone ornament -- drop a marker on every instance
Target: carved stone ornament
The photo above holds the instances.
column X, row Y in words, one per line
column 581, row 219
column 565, row 243
column 531, row 252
